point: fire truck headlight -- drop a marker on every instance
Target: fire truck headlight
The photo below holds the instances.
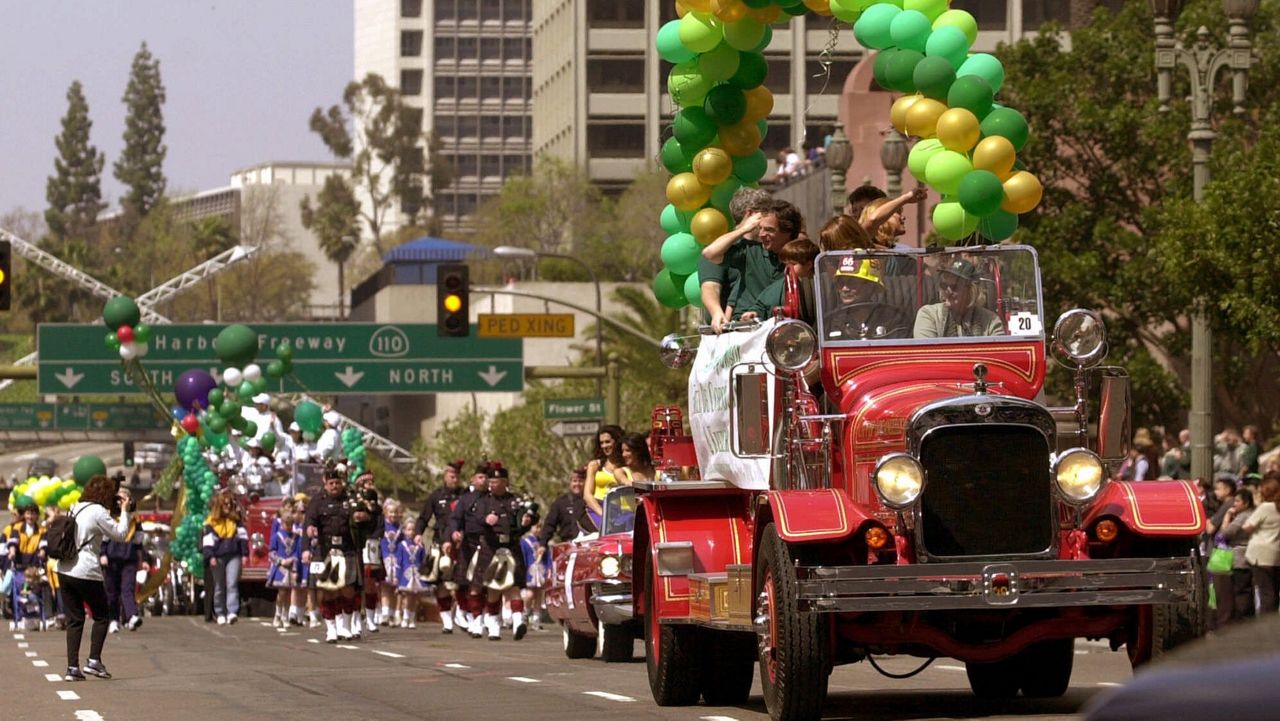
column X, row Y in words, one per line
column 899, row 480
column 1080, row 475
column 792, row 345
column 609, row 566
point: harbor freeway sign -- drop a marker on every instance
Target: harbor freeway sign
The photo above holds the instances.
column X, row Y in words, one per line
column 337, row 358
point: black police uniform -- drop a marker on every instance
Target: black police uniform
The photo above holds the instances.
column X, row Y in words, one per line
column 439, row 506
column 566, row 519
column 331, row 516
column 504, row 533
column 467, row 519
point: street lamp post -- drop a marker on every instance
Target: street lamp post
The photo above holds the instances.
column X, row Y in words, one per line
column 1203, row 62
column 838, row 156
column 511, row 251
column 893, row 156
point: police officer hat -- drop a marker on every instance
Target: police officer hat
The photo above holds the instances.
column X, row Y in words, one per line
column 456, row 465
column 497, row 471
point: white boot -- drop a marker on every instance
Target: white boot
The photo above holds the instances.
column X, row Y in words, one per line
column 277, row 621
column 331, row 631
column 371, row 620
column 293, row 617
column 476, row 626
column 314, row 619
column 493, row 622
column 344, row 626
column 386, row 616
column 461, row 618
column 353, row 623
column 517, row 625
column 446, row 622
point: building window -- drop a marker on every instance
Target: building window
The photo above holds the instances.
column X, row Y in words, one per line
column 490, row 49
column 515, row 88
column 515, row 127
column 990, row 14
column 1038, row 12
column 468, row 88
column 777, row 137
column 468, row 48
column 491, row 10
column 819, row 80
column 446, row 10
column 465, row 164
column 467, row 9
column 491, row 166
column 446, row 127
column 514, row 49
column 490, row 88
column 615, row 139
column 615, row 75
column 468, row 127
column 779, row 79
column 667, row 13
column 446, row 48
column 466, row 204
column 446, row 87
column 410, row 43
column 615, row 14
column 413, row 117
column 410, row 8
column 410, row 82
column 515, row 11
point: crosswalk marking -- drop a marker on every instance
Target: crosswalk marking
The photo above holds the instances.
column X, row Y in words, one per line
column 52, row 677
column 946, row 667
column 40, row 664
column 68, row 695
column 32, row 654
column 523, row 679
column 609, row 696
column 389, row 654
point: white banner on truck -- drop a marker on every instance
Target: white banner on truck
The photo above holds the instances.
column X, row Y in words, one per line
column 710, row 383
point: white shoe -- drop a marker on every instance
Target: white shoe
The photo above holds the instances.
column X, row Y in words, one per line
column 371, row 621
column 114, row 627
column 134, row 623
column 331, row 631
column 385, row 617
column 277, row 622
column 222, row 620
column 413, row 623
column 446, row 622
column 342, row 622
column 314, row 622
column 493, row 623
column 232, row 618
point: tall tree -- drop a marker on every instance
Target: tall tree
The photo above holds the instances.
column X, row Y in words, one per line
column 140, row 165
column 389, row 153
column 276, row 283
column 556, row 209
column 629, row 247
column 335, row 221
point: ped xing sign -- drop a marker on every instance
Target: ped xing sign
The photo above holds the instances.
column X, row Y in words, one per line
column 334, row 358
column 525, row 325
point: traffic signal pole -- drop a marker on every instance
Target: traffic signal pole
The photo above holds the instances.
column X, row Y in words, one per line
column 610, row 374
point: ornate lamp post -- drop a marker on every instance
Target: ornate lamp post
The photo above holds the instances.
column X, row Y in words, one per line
column 839, row 157
column 893, row 156
column 1203, row 62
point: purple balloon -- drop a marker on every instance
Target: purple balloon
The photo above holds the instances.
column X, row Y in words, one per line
column 192, row 389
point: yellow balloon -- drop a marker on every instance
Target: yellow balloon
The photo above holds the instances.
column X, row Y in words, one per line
column 995, row 154
column 681, row 10
column 740, row 139
column 686, row 193
column 702, row 6
column 766, row 15
column 1022, row 193
column 730, row 11
column 822, row 7
column 759, row 103
column 959, row 130
column 712, row 166
column 898, row 114
column 922, row 117
column 707, row 225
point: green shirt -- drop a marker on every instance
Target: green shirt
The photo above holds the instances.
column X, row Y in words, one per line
column 757, row 269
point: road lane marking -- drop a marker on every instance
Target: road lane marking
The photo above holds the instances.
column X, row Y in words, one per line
column 88, row 715
column 52, row 677
column 264, row 623
column 523, row 679
column 389, row 654
column 349, row 647
column 609, row 696
column 40, row 664
column 718, row 718
column 946, row 667
column 455, row 665
column 1110, row 684
column 68, row 695
column 32, row 654
column 313, row 640
column 19, row 637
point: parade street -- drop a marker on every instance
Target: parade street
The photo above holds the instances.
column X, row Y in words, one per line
column 179, row 667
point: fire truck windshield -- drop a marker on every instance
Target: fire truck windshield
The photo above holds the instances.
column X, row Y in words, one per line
column 918, row 296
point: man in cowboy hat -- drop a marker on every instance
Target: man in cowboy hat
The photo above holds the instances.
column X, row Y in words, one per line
column 858, row 313
column 505, row 521
column 466, row 524
column 959, row 314
column 330, row 519
column 435, row 513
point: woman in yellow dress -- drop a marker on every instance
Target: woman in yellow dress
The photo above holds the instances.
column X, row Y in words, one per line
column 602, row 469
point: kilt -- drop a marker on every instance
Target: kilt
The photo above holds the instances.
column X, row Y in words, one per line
column 341, row 569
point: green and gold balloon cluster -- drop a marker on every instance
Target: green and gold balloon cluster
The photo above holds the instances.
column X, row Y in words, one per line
column 968, row 143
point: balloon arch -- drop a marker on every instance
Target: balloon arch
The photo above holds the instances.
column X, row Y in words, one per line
column 966, row 143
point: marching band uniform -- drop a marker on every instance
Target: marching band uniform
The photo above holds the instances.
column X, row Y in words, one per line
column 410, row 555
column 501, row 557
column 566, row 519
column 389, row 545
column 369, row 540
column 467, row 520
column 335, row 544
column 437, row 510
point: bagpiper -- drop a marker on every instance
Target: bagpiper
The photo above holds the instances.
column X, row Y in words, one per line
column 435, row 514
column 505, row 521
column 465, row 527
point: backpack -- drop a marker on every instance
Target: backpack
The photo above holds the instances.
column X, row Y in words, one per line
column 61, row 538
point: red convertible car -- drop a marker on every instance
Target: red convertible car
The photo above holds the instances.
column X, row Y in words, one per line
column 590, row 594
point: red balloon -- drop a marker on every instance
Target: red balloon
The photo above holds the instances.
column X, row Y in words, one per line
column 190, row 423
column 125, row 333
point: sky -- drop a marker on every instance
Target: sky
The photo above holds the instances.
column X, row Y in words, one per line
column 241, row 76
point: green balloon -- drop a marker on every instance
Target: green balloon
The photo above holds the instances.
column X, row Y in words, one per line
column 668, row 291
column 750, row 168
column 309, row 416
column 880, row 67
column 229, row 409
column 919, row 157
column 910, row 30
column 933, row 77
column 236, row 345
column 674, row 158
column 699, row 32
column 998, row 226
column 680, row 254
column 268, row 441
column 1007, row 123
column 693, row 128
column 752, row 71
column 981, row 193
column 873, row 28
column 765, row 41
column 986, row 67
column 945, row 171
column 87, row 467
column 245, row 391
column 216, row 396
column 250, row 429
column 284, row 351
column 111, row 341
column 239, row 423
column 693, row 290
column 948, row 43
column 725, row 104
column 669, row 45
column 121, row 310
column 972, row 93
column 951, row 222
column 902, row 68
column 142, row 333
column 687, row 85
column 744, row 34
column 720, row 63
column 673, row 221
column 215, row 423
column 259, row 386
column 275, row 369
column 930, row 8
column 960, row 20
column 722, row 197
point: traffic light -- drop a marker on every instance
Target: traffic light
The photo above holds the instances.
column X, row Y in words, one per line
column 453, row 290
column 128, row 454
column 6, row 275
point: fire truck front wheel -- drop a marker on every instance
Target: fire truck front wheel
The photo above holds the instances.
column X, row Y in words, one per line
column 793, row 647
column 672, row 655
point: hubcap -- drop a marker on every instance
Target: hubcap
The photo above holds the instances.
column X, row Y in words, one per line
column 766, row 626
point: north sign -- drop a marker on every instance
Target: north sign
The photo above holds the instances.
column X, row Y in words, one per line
column 329, row 358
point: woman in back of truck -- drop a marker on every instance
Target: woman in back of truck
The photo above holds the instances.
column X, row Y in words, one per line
column 602, row 469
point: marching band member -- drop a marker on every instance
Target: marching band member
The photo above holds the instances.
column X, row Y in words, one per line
column 285, row 554
column 465, row 527
column 505, row 521
column 435, row 514
column 369, row 539
column 410, row 554
column 331, row 522
column 391, row 535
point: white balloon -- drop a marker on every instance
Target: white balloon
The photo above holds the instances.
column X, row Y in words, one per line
column 252, row 373
column 128, row 351
column 232, row 377
column 141, row 349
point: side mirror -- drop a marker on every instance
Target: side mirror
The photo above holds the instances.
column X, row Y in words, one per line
column 1114, row 412
column 676, row 351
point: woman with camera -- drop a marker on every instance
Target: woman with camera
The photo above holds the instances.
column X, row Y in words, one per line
column 80, row 577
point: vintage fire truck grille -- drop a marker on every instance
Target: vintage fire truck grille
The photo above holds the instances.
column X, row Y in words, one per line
column 987, row 491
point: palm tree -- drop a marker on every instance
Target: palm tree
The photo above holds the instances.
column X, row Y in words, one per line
column 336, row 222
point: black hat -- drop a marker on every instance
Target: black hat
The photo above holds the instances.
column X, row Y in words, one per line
column 497, row 471
column 456, row 465
column 962, row 269
column 482, row 468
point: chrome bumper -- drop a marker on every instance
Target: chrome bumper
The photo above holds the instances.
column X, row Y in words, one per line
column 987, row 585
column 612, row 602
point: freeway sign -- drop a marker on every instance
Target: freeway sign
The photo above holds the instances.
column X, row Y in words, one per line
column 80, row 417
column 525, row 325
column 575, row 428
column 328, row 358
column 570, row 409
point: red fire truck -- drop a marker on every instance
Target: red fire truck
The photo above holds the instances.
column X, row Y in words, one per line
column 875, row 471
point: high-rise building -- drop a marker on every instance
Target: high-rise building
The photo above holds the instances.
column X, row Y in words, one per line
column 466, row 64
